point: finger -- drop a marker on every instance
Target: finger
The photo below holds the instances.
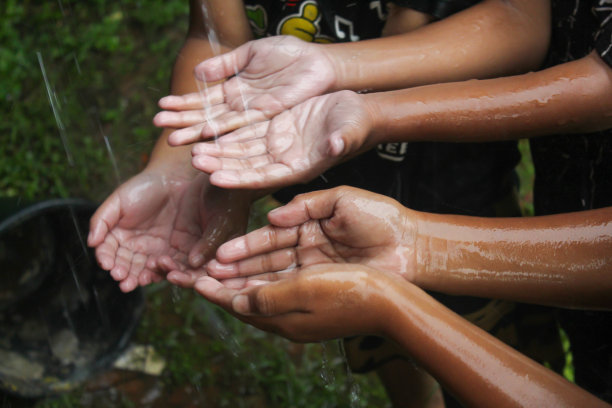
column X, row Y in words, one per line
column 215, row 291
column 185, row 136
column 258, row 242
column 223, row 66
column 136, row 268
column 187, row 118
column 106, row 253
column 196, row 100
column 210, row 164
column 184, row 279
column 104, row 219
column 128, row 284
column 123, row 261
column 272, row 262
column 221, row 148
column 304, row 207
column 231, row 121
column 167, row 263
column 271, row 176
column 270, row 299
column 254, row 131
column 145, row 277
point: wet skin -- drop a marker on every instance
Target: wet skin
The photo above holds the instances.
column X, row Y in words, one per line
column 571, row 97
column 327, row 301
column 274, row 74
column 563, row 260
column 166, row 220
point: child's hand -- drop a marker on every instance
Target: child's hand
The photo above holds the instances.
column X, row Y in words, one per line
column 341, row 225
column 317, row 303
column 153, row 224
column 264, row 78
column 294, row 147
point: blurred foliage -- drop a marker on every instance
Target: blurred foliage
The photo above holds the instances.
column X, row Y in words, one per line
column 526, row 175
column 77, row 86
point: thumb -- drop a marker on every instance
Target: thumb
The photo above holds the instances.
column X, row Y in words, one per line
column 224, row 65
column 269, row 299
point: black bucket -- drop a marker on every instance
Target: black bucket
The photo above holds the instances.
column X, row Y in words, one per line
column 62, row 318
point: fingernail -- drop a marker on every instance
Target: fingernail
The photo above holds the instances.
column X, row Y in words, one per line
column 197, row 260
column 240, row 304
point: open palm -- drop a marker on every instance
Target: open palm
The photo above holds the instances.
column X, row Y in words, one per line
column 263, row 78
column 148, row 218
column 295, row 146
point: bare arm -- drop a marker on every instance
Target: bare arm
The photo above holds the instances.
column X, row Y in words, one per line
column 327, row 301
column 562, row 260
column 492, row 38
column 465, row 358
column 198, row 46
column 571, row 97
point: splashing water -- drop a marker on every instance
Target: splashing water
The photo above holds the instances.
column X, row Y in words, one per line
column 354, row 390
column 55, row 107
column 213, row 40
column 111, row 155
column 78, row 231
column 327, row 374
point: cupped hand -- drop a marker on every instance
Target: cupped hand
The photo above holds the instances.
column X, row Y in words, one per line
column 294, row 147
column 154, row 217
column 318, row 302
column 341, row 225
column 263, row 78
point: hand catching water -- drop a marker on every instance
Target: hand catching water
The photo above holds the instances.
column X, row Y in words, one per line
column 341, row 225
column 294, row 147
column 319, row 302
column 154, row 223
column 263, row 78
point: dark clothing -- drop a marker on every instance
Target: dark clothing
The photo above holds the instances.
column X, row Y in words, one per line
column 574, row 173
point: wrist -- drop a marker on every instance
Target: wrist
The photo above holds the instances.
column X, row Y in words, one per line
column 342, row 71
column 415, row 238
column 374, row 108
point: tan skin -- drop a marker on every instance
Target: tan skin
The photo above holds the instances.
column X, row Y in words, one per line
column 490, row 39
column 326, row 301
column 562, row 260
column 158, row 220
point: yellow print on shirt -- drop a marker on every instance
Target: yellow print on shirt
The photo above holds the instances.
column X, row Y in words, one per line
column 304, row 25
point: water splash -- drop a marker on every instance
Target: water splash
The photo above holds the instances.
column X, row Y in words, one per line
column 213, row 40
column 101, row 310
column 327, row 374
column 354, row 390
column 78, row 231
column 66, row 315
column 55, row 107
column 111, row 155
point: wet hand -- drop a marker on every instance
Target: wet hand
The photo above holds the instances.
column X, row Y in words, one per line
column 341, row 225
column 149, row 218
column 262, row 78
column 318, row 302
column 295, row 146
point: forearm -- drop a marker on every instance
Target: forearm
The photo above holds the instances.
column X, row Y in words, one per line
column 563, row 260
column 194, row 51
column 491, row 39
column 207, row 36
column 465, row 358
column 572, row 97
